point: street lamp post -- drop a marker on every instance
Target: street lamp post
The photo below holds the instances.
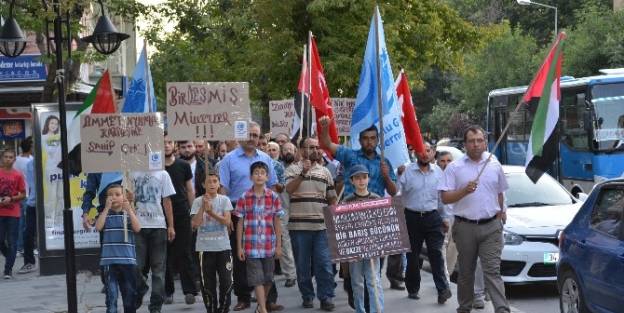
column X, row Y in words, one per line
column 529, row 2
column 106, row 40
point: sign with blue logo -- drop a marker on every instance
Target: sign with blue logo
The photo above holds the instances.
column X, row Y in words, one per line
column 22, row 68
column 12, row 129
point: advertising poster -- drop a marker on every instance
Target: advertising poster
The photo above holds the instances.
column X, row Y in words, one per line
column 47, row 136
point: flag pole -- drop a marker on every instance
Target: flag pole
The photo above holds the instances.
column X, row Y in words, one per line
column 309, row 107
column 148, row 81
column 379, row 100
column 502, row 135
column 302, row 96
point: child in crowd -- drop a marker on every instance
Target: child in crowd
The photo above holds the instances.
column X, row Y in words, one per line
column 211, row 217
column 259, row 233
column 118, row 258
column 362, row 270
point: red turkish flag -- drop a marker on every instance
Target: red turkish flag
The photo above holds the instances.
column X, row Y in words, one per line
column 319, row 94
column 413, row 136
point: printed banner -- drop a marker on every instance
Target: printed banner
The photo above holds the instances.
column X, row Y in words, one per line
column 120, row 142
column 364, row 230
column 47, row 134
column 281, row 114
column 212, row 111
column 343, row 107
column 12, row 129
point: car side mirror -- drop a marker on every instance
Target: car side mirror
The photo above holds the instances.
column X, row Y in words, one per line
column 582, row 197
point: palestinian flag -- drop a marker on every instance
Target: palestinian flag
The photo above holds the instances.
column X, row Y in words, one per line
column 301, row 121
column 543, row 97
column 101, row 99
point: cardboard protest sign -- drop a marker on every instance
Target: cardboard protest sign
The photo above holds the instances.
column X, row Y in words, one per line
column 118, row 142
column 281, row 114
column 367, row 229
column 343, row 108
column 212, row 111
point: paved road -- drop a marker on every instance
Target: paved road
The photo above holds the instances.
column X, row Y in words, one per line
column 542, row 298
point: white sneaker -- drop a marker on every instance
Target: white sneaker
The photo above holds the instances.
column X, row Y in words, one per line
column 27, row 268
column 8, row 276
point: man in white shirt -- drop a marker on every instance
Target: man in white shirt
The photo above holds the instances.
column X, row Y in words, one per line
column 478, row 205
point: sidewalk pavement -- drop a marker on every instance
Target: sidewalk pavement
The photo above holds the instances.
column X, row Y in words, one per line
column 31, row 293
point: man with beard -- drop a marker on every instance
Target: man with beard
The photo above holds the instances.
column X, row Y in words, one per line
column 311, row 188
column 281, row 139
column 179, row 257
column 381, row 175
column 424, row 216
column 235, row 180
column 203, row 147
column 187, row 152
column 289, row 154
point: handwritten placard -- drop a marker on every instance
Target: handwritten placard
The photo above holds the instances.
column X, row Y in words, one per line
column 211, row 111
column 281, row 114
column 119, row 142
column 343, row 108
column 367, row 229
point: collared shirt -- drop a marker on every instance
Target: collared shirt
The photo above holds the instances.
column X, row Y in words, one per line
column 419, row 189
column 308, row 201
column 258, row 214
column 349, row 157
column 234, row 171
column 483, row 202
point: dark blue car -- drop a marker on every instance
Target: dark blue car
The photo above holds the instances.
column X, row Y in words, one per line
column 590, row 272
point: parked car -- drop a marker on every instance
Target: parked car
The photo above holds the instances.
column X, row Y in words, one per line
column 536, row 214
column 590, row 272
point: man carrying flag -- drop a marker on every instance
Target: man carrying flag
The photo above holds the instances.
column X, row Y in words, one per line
column 542, row 97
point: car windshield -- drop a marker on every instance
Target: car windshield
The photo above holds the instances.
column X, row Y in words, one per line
column 523, row 192
column 608, row 102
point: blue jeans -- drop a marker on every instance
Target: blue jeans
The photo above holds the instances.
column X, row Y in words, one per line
column 8, row 241
column 151, row 245
column 120, row 278
column 311, row 247
column 361, row 272
column 22, row 226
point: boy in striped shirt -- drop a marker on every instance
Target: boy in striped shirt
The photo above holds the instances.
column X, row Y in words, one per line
column 118, row 258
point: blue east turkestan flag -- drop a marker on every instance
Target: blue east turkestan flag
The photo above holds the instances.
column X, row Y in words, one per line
column 138, row 96
column 366, row 112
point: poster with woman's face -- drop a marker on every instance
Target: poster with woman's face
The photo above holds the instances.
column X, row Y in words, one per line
column 52, row 180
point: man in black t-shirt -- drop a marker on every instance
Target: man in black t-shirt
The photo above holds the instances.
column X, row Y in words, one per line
column 179, row 250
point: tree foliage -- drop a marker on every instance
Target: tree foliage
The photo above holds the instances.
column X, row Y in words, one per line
column 262, row 41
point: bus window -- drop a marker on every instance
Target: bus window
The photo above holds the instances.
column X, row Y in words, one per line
column 572, row 108
column 608, row 103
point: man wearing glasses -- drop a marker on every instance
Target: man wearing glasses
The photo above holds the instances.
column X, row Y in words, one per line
column 235, row 180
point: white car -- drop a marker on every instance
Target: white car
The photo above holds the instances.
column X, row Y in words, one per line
column 536, row 213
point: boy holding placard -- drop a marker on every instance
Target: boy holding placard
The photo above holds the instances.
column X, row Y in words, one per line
column 364, row 270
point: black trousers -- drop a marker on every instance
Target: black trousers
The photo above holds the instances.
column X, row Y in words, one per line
column 425, row 228
column 179, row 257
column 216, row 266
column 30, row 233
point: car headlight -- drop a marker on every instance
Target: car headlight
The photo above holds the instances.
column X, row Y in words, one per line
column 512, row 239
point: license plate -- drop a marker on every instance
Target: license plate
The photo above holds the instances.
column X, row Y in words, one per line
column 551, row 257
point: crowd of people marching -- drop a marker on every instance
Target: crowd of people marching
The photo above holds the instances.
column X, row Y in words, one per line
column 221, row 216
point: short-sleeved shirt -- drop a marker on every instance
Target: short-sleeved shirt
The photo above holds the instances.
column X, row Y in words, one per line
column 419, row 190
column 180, row 172
column 308, row 201
column 354, row 197
column 234, row 171
column 149, row 190
column 11, row 184
column 483, row 202
column 115, row 249
column 257, row 214
column 349, row 157
column 212, row 235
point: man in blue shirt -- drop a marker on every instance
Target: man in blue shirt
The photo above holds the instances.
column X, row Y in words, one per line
column 30, row 231
column 382, row 178
column 235, row 180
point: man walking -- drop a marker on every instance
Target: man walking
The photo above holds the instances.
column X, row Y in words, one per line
column 424, row 216
column 235, row 181
column 311, row 188
column 179, row 257
column 479, row 217
column 12, row 191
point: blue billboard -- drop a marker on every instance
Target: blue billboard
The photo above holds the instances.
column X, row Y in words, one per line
column 22, row 68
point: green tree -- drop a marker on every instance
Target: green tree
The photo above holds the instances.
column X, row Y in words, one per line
column 262, row 41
